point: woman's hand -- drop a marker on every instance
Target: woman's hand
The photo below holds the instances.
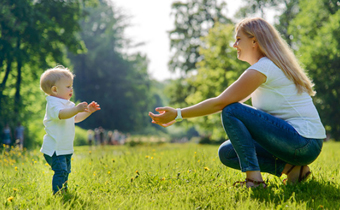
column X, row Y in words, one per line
column 166, row 116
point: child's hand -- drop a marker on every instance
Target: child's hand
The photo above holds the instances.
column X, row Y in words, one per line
column 93, row 106
column 82, row 107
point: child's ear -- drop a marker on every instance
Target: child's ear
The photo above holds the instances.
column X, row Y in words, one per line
column 54, row 89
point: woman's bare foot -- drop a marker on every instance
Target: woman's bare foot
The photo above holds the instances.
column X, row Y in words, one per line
column 254, row 179
column 255, row 184
column 296, row 174
column 249, row 183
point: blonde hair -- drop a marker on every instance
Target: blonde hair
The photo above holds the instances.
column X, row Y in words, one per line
column 277, row 50
column 49, row 78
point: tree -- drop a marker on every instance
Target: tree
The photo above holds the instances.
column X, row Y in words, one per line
column 192, row 21
column 219, row 69
column 254, row 6
column 33, row 37
column 290, row 10
column 316, row 32
column 117, row 81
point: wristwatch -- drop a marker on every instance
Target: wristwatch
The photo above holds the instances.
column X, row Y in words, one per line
column 179, row 117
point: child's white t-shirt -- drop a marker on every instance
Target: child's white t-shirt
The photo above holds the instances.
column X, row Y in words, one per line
column 278, row 96
column 59, row 133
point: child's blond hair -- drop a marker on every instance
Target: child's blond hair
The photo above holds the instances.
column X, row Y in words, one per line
column 49, row 78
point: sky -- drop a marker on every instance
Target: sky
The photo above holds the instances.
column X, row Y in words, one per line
column 145, row 14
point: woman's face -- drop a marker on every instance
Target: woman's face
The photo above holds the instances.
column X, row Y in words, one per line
column 246, row 47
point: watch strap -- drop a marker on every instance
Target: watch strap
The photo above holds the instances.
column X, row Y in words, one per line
column 179, row 115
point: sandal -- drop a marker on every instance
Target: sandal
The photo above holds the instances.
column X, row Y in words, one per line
column 258, row 183
column 301, row 178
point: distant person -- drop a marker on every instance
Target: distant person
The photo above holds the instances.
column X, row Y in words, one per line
column 109, row 137
column 7, row 135
column 96, row 136
column 90, row 136
column 282, row 133
column 122, row 138
column 19, row 135
column 116, row 137
column 101, row 135
column 61, row 114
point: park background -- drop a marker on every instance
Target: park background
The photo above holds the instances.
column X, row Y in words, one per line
column 89, row 38
column 152, row 171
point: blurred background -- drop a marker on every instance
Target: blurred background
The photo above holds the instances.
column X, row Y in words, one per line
column 133, row 56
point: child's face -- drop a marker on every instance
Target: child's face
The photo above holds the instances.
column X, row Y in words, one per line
column 63, row 88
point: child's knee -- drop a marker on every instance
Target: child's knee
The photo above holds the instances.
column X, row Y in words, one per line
column 61, row 172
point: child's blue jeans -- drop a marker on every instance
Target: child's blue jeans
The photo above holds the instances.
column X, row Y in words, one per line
column 259, row 141
column 61, row 165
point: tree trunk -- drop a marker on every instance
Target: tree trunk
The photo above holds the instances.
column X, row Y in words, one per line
column 1, row 62
column 4, row 80
column 17, row 96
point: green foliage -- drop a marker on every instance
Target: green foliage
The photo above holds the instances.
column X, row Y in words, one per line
column 80, row 138
column 288, row 9
column 291, row 9
column 253, row 6
column 118, row 82
column 192, row 21
column 149, row 140
column 33, row 37
column 219, row 69
column 167, row 176
column 318, row 42
column 34, row 133
column 36, row 35
column 311, row 28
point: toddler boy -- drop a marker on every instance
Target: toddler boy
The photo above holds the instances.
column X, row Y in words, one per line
column 59, row 121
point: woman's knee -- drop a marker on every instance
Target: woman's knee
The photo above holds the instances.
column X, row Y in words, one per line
column 226, row 152
column 230, row 107
column 228, row 110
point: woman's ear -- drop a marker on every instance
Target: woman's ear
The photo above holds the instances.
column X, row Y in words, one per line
column 255, row 44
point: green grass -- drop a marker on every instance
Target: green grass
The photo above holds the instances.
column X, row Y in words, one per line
column 167, row 176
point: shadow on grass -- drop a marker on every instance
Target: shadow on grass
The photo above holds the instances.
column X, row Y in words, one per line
column 316, row 195
column 69, row 200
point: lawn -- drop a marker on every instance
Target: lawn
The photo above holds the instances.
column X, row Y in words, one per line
column 165, row 176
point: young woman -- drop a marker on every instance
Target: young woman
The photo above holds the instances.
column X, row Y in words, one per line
column 282, row 133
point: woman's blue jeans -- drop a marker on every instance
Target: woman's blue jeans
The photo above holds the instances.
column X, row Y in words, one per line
column 259, row 141
column 61, row 165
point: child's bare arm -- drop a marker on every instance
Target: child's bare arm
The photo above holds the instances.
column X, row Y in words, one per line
column 70, row 112
column 92, row 107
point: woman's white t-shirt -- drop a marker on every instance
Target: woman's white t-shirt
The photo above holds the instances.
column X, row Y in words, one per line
column 278, row 96
column 59, row 133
